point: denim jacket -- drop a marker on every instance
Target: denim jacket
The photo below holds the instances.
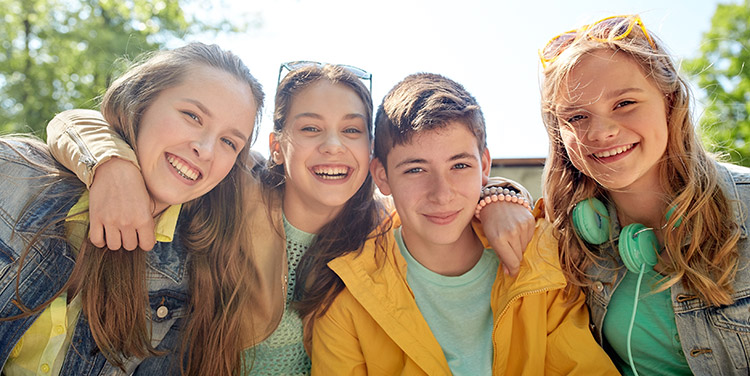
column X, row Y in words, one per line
column 715, row 340
column 48, row 266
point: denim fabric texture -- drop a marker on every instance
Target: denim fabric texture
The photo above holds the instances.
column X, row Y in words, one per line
column 48, row 265
column 715, row 340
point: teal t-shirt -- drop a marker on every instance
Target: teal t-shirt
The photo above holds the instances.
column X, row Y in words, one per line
column 283, row 352
column 655, row 344
column 457, row 309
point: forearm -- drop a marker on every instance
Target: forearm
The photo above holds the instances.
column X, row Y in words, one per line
column 81, row 140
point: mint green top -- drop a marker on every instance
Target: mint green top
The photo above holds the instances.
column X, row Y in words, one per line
column 457, row 309
column 283, row 352
column 655, row 344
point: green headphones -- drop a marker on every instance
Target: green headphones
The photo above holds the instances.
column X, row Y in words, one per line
column 638, row 244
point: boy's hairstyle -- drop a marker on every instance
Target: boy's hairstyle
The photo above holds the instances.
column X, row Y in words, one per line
column 425, row 101
column 703, row 249
column 317, row 285
column 112, row 285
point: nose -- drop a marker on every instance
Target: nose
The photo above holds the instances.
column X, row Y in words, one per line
column 440, row 190
column 601, row 128
column 203, row 147
column 332, row 143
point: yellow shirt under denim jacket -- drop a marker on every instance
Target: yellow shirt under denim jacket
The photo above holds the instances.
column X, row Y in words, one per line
column 42, row 348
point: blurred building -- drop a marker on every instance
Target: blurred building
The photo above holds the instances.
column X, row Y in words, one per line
column 527, row 171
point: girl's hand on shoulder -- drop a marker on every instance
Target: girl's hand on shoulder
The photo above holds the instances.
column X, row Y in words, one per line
column 120, row 208
column 509, row 228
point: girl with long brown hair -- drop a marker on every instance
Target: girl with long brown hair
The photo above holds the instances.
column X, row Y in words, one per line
column 69, row 308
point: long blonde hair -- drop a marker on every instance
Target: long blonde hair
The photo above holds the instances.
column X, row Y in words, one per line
column 702, row 250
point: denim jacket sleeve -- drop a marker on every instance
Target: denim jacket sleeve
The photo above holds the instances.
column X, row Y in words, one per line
column 81, row 140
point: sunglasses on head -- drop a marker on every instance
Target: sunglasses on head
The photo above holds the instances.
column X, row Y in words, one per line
column 605, row 30
column 294, row 65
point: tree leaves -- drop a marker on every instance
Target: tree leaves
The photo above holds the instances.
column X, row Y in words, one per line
column 723, row 72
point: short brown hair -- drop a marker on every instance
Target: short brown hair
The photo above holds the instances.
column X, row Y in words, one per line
column 421, row 102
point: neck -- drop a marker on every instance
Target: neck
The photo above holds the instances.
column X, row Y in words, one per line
column 305, row 217
column 647, row 208
column 452, row 259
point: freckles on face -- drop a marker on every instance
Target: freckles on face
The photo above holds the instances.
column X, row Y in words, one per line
column 613, row 121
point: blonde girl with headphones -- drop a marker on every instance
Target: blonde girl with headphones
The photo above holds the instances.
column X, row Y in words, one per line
column 650, row 226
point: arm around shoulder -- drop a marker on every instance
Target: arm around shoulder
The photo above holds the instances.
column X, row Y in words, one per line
column 81, row 140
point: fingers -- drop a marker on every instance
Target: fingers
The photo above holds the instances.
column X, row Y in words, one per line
column 114, row 241
column 120, row 208
column 96, row 234
column 146, row 237
column 510, row 256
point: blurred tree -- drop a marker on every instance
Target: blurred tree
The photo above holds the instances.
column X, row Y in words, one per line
column 59, row 54
column 722, row 73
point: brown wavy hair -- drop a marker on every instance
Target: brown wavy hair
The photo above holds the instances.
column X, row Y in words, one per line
column 702, row 250
column 317, row 285
column 112, row 284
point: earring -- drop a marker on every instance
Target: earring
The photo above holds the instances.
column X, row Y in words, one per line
column 276, row 157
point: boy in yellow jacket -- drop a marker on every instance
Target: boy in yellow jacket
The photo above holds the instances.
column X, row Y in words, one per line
column 428, row 297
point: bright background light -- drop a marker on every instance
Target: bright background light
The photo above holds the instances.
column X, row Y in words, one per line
column 489, row 46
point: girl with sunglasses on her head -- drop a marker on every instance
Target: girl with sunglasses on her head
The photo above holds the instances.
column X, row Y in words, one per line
column 651, row 226
column 311, row 202
column 68, row 308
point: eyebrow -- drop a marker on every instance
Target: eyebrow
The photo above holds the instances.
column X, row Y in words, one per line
column 619, row 92
column 563, row 109
column 199, row 105
column 320, row 117
column 422, row 160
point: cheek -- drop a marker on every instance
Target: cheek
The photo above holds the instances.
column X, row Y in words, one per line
column 572, row 147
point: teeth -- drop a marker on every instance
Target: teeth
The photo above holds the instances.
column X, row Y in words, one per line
column 612, row 152
column 331, row 172
column 184, row 171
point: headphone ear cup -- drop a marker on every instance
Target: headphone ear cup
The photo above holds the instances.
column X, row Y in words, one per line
column 638, row 245
column 591, row 221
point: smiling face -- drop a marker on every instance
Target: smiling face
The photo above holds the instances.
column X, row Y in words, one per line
column 435, row 180
column 613, row 122
column 190, row 136
column 325, row 150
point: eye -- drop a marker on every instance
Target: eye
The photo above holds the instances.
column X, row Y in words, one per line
column 310, row 128
column 575, row 118
column 192, row 116
column 230, row 143
column 624, row 103
column 353, row 130
column 414, row 170
column 461, row 166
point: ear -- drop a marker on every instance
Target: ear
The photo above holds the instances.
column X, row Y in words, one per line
column 380, row 176
column 275, row 148
column 486, row 166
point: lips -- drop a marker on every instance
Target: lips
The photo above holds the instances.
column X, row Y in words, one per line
column 183, row 168
column 613, row 152
column 442, row 218
column 331, row 172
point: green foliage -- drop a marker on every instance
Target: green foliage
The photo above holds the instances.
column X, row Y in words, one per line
column 59, row 54
column 722, row 73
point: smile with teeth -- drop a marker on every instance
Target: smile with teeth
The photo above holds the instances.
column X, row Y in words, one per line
column 331, row 173
column 613, row 152
column 185, row 171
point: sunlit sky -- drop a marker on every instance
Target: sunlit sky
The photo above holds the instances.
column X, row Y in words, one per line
column 489, row 46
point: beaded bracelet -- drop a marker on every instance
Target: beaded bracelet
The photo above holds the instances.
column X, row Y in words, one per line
column 495, row 194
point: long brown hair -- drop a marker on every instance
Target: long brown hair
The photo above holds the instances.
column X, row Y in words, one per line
column 702, row 250
column 317, row 285
column 112, row 285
